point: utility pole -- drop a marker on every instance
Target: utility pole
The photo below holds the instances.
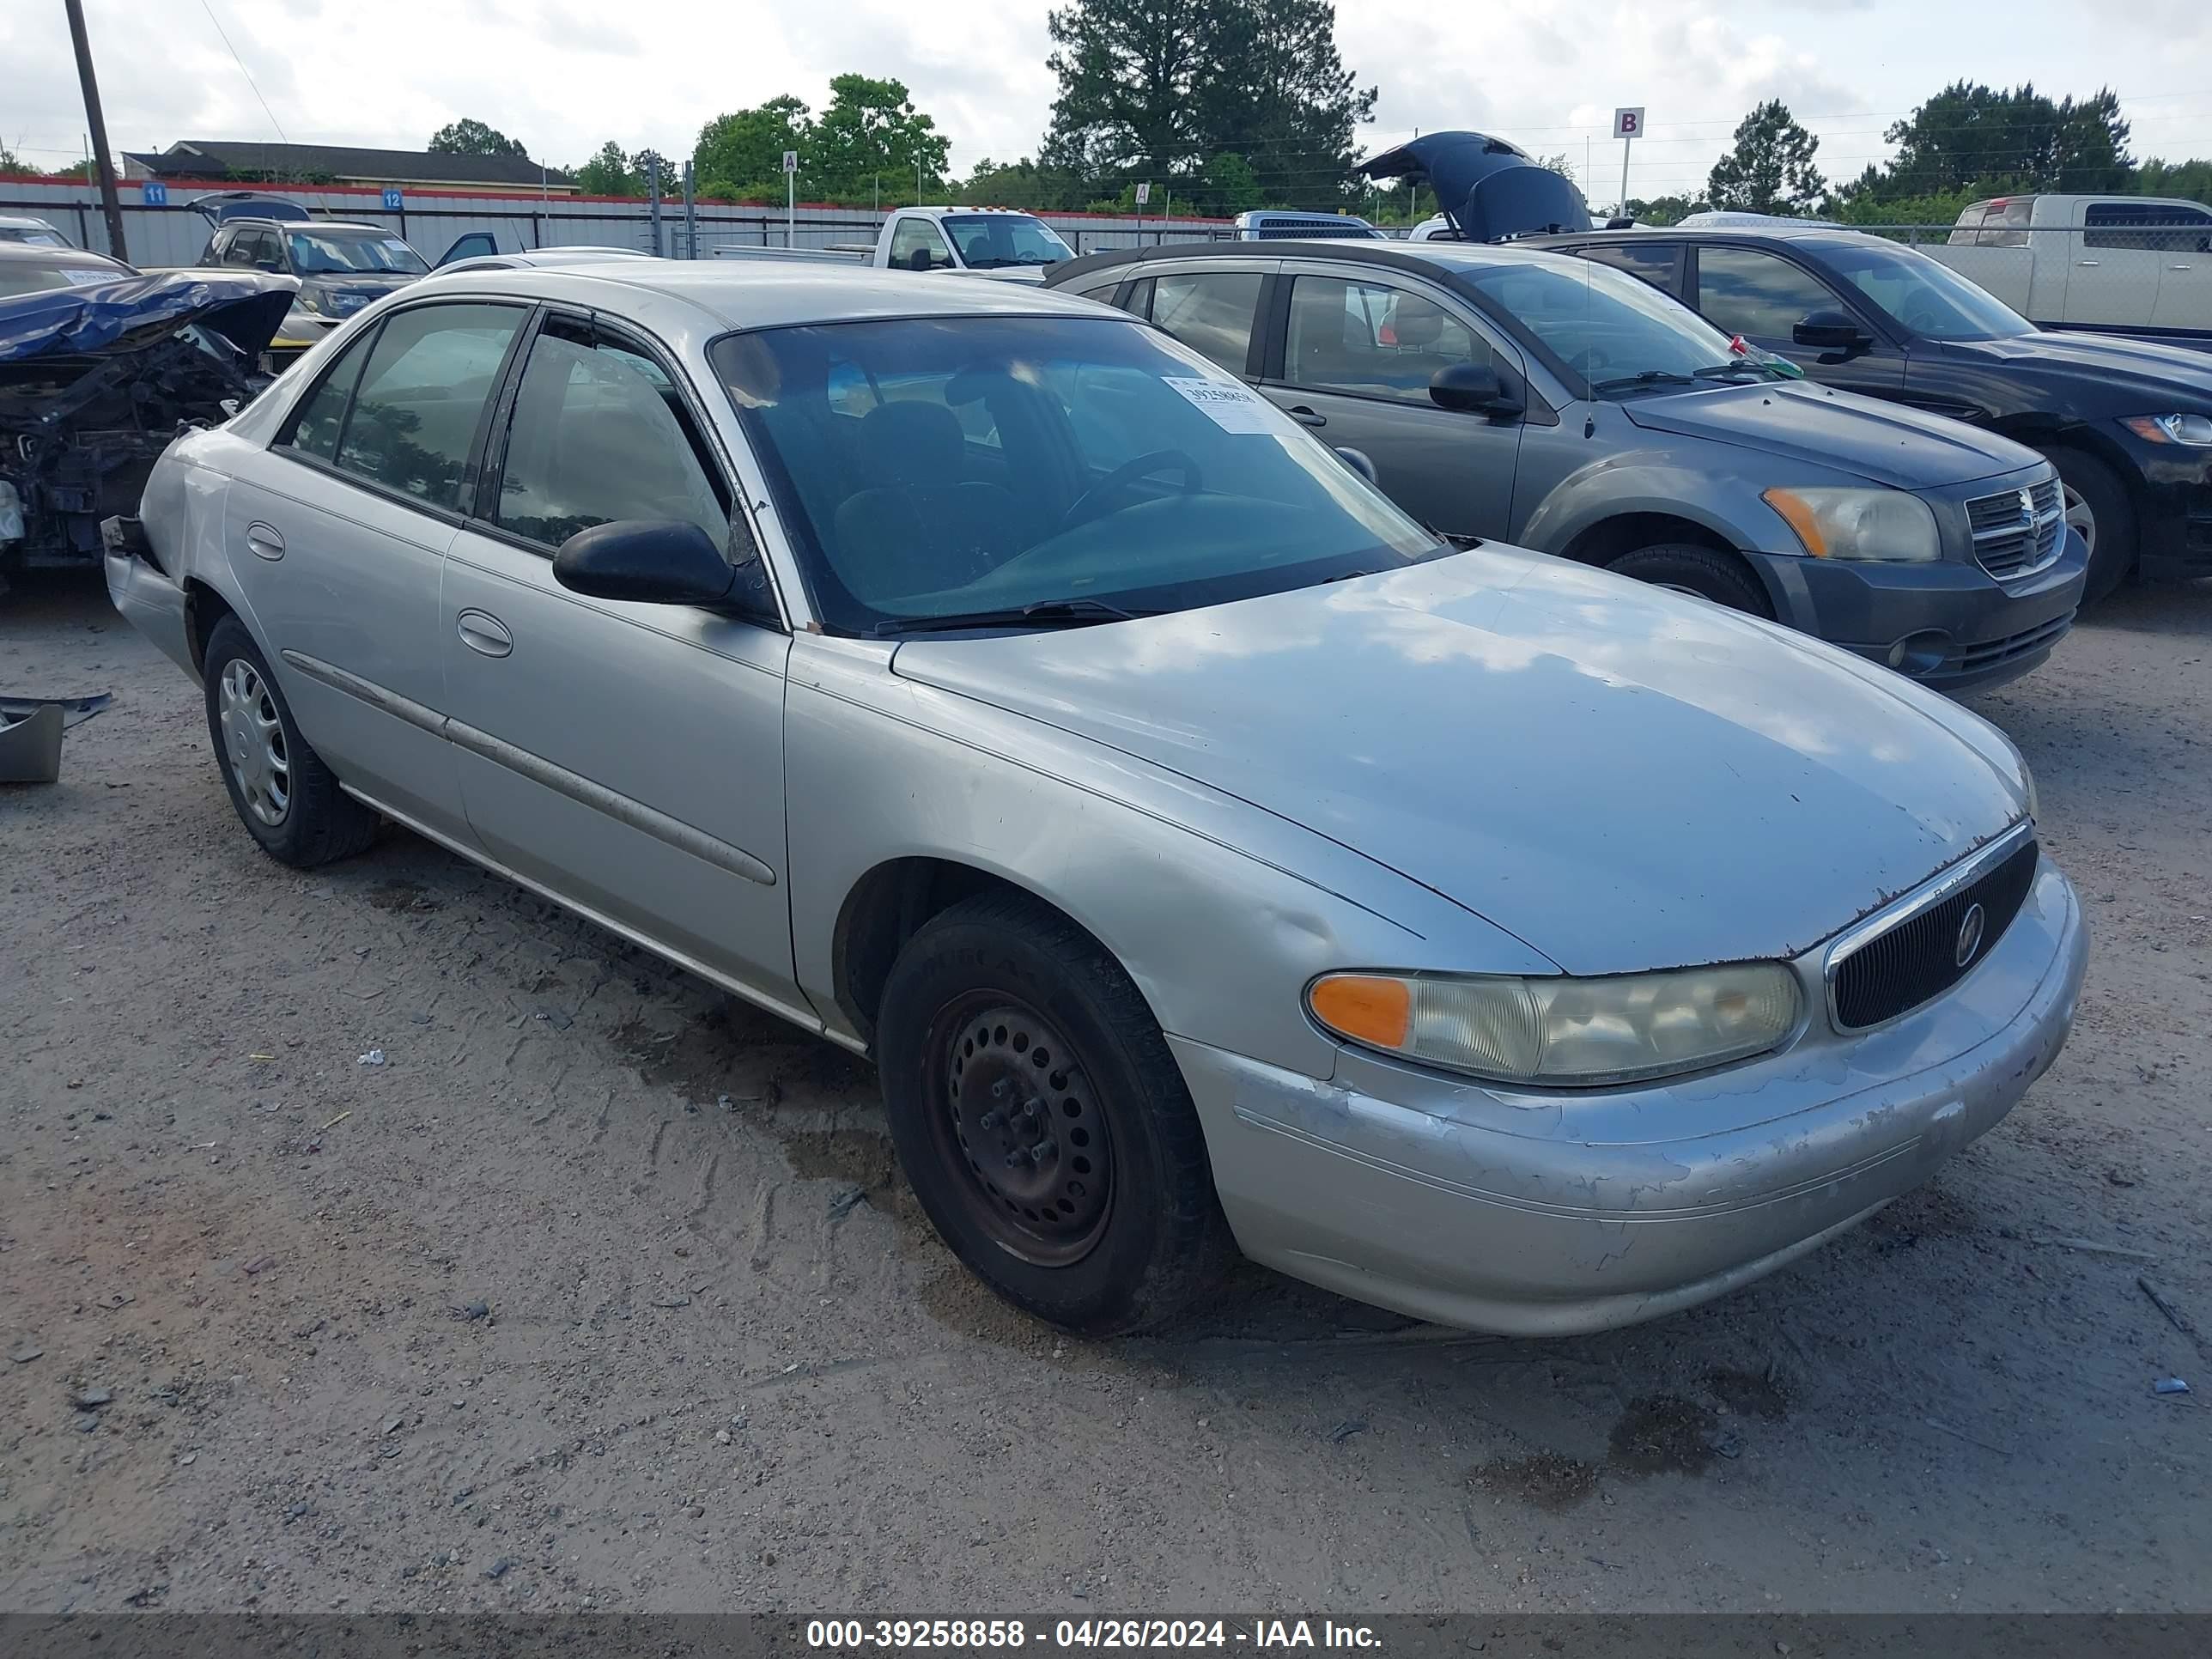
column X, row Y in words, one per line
column 690, row 213
column 652, row 183
column 110, row 206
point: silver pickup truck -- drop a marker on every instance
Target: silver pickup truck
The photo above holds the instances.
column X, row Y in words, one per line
column 2116, row 263
column 999, row 243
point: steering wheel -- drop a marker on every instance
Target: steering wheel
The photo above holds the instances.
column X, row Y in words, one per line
column 1090, row 504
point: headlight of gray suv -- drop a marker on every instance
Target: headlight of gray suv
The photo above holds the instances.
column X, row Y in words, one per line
column 1887, row 525
column 2193, row 431
column 1564, row 1032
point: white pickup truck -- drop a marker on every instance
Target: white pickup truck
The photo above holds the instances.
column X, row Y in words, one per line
column 2133, row 265
column 1001, row 243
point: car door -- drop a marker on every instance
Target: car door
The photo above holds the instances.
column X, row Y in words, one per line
column 338, row 532
column 626, row 757
column 1351, row 353
column 1763, row 297
column 2185, row 282
column 2117, row 260
column 918, row 245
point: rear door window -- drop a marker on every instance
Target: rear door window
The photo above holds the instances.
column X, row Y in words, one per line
column 2163, row 226
column 1659, row 263
column 1373, row 340
column 1759, row 296
column 412, row 427
column 320, row 416
column 1211, row 311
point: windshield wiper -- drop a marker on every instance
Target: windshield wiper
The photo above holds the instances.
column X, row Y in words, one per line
column 990, row 262
column 1740, row 366
column 1045, row 613
column 1649, row 377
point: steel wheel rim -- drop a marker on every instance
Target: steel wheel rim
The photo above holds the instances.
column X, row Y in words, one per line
column 1019, row 1127
column 2079, row 517
column 253, row 742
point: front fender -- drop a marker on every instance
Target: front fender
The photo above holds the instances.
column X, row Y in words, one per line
column 1647, row 482
column 1220, row 912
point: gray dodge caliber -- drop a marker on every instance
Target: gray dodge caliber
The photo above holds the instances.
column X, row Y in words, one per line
column 1507, row 392
column 1208, row 856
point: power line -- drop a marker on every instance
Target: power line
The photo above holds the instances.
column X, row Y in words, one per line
column 243, row 71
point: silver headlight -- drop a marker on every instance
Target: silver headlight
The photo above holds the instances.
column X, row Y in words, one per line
column 2194, row 431
column 1888, row 525
column 1564, row 1032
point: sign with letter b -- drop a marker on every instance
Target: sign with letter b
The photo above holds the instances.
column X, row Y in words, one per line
column 1628, row 122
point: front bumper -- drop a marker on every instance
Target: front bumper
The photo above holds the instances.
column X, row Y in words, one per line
column 2174, row 510
column 1548, row 1215
column 1958, row 627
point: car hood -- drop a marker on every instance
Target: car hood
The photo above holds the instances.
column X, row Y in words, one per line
column 1624, row 778
column 2110, row 358
column 1816, row 426
column 141, row 313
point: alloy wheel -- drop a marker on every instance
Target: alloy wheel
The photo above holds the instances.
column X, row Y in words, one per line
column 253, row 735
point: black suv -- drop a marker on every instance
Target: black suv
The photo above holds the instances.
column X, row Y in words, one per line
column 2128, row 423
column 341, row 266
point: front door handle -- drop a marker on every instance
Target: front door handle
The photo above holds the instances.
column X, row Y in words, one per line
column 484, row 634
column 1305, row 416
column 264, row 540
column 2086, row 263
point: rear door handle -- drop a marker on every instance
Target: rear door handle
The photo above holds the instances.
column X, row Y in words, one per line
column 2181, row 267
column 2086, row 262
column 1305, row 416
column 484, row 634
column 264, row 540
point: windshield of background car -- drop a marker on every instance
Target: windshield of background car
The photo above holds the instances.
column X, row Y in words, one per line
column 1929, row 299
column 35, row 275
column 1603, row 326
column 335, row 252
column 990, row 240
column 948, row 465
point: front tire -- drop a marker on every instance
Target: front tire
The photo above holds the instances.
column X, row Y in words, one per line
column 284, row 795
column 1687, row 567
column 1042, row 1122
column 2096, row 505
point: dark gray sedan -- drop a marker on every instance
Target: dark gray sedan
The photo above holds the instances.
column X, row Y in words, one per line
column 1506, row 392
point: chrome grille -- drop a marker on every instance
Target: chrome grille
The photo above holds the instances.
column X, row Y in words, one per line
column 2018, row 533
column 1896, row 965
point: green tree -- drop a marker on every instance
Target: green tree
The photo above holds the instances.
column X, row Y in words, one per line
column 1154, row 89
column 607, row 173
column 1665, row 210
column 1982, row 140
column 468, row 137
column 2190, row 181
column 1020, row 184
column 1771, row 168
column 1230, row 186
column 9, row 161
column 870, row 131
column 641, row 171
column 741, row 154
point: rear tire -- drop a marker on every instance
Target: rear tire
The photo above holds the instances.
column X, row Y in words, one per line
column 2097, row 504
column 1688, row 568
column 288, row 800
column 1042, row 1122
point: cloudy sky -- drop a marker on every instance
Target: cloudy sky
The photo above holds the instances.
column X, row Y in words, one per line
column 564, row 76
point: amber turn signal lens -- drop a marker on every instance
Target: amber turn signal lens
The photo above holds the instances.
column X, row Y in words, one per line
column 1364, row 1008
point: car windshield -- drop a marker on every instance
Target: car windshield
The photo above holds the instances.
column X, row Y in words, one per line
column 1616, row 333
column 983, row 466
column 1929, row 299
column 986, row 241
column 334, row 252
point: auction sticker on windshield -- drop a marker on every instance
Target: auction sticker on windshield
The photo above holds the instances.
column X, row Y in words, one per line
column 1232, row 408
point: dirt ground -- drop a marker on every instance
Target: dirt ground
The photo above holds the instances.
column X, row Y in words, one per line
column 600, row 1289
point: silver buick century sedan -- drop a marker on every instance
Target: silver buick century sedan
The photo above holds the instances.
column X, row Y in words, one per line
column 1208, row 856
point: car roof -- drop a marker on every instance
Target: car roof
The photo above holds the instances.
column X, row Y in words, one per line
column 1432, row 258
column 17, row 220
column 536, row 258
column 1751, row 235
column 740, row 294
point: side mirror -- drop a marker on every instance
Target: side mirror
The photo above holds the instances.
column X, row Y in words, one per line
column 651, row 561
column 1830, row 331
column 1359, row 461
column 1474, row 388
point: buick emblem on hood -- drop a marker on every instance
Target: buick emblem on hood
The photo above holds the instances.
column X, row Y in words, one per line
column 1970, row 935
